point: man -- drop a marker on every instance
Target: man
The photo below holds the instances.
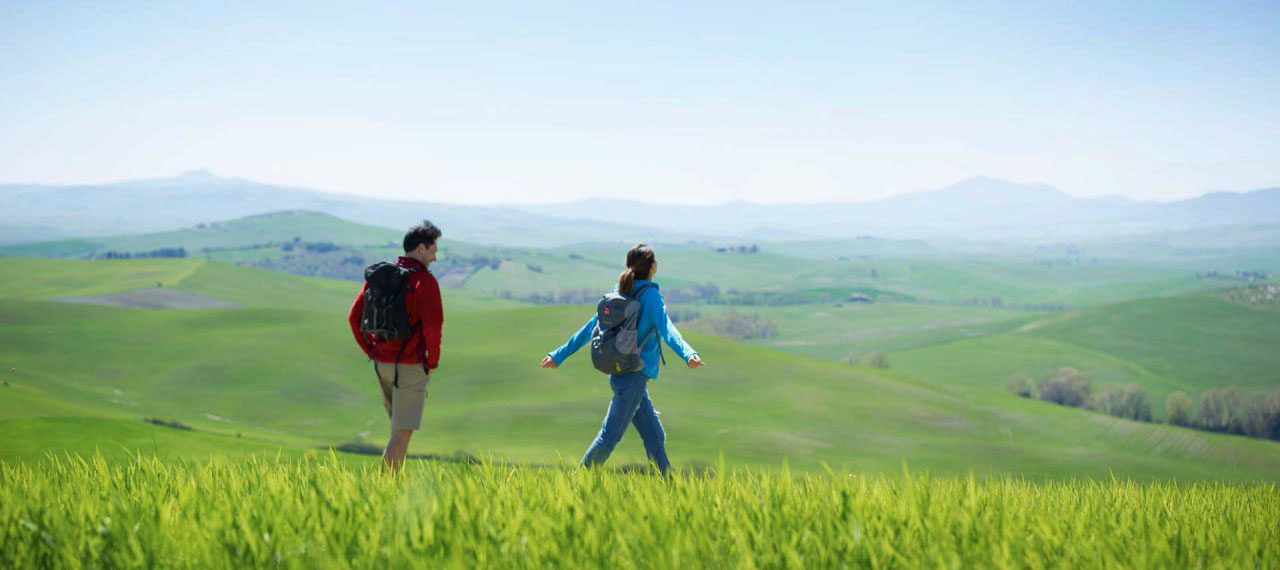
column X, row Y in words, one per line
column 404, row 366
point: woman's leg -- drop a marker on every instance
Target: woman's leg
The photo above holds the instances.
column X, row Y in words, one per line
column 650, row 428
column 628, row 390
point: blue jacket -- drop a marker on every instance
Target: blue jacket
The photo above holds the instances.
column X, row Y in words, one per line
column 653, row 314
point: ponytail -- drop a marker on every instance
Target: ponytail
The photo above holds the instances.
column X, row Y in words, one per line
column 639, row 265
column 627, row 281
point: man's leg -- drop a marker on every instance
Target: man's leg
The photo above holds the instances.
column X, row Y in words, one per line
column 397, row 448
column 407, row 402
column 651, row 432
column 627, row 391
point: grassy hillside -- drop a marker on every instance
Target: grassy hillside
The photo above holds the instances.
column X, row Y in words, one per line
column 973, row 281
column 838, row 330
column 1191, row 343
column 283, row 370
column 310, row 243
column 237, row 233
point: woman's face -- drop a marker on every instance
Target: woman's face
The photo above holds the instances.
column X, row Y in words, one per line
column 653, row 271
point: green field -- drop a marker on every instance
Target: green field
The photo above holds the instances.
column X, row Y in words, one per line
column 786, row 456
column 320, row 513
column 1190, row 343
column 278, row 227
column 961, row 274
column 838, row 330
column 282, row 371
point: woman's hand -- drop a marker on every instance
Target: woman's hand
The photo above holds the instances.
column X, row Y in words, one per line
column 696, row 361
column 548, row 362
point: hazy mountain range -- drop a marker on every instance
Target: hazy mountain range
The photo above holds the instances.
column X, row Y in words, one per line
column 976, row 209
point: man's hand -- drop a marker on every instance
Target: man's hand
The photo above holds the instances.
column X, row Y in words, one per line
column 548, row 362
column 696, row 361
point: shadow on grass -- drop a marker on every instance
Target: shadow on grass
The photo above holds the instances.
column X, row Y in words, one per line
column 695, row 468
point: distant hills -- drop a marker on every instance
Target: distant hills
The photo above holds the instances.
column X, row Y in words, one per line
column 976, row 209
column 41, row 212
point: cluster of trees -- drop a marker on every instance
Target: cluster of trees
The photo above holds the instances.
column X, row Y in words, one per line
column 1264, row 294
column 683, row 315
column 1246, row 275
column 874, row 360
column 1228, row 410
column 1071, row 387
column 175, row 424
column 735, row 325
column 336, row 263
column 589, row 296
column 753, row 248
column 583, row 296
column 996, row 301
column 689, row 293
column 164, row 252
column 313, row 247
column 772, row 298
column 1224, row 410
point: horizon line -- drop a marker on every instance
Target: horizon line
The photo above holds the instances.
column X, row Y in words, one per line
column 209, row 174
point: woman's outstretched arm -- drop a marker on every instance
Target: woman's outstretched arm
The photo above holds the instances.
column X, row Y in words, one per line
column 571, row 346
column 668, row 332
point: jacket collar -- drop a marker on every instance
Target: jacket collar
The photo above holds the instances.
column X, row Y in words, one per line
column 409, row 262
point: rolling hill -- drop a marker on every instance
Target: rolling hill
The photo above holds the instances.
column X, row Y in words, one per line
column 281, row 370
column 1191, row 343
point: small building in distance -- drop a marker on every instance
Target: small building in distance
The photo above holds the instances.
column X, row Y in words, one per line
column 859, row 298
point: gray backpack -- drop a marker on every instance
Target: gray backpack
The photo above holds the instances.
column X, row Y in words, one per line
column 614, row 346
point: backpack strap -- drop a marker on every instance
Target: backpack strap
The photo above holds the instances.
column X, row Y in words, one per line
column 413, row 329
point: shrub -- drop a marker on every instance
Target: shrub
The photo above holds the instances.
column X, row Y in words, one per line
column 878, row 360
column 1068, row 387
column 1219, row 409
column 1129, row 401
column 1179, row 409
column 732, row 324
column 1261, row 418
column 1021, row 385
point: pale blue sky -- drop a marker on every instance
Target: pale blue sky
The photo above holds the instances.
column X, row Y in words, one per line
column 670, row 102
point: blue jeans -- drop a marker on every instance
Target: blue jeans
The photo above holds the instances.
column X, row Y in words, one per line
column 630, row 405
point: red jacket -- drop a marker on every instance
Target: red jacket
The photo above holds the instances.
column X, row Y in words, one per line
column 423, row 303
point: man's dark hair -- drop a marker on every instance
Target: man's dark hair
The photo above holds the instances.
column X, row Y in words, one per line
column 425, row 233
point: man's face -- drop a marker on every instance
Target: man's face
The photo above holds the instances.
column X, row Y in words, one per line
column 428, row 253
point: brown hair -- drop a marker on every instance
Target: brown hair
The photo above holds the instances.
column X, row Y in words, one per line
column 639, row 266
column 425, row 233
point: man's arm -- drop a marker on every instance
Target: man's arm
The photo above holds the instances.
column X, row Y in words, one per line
column 431, row 313
column 354, row 316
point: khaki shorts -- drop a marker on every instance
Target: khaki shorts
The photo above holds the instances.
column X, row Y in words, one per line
column 404, row 404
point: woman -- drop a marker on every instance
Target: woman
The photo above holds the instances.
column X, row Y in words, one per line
column 631, row 404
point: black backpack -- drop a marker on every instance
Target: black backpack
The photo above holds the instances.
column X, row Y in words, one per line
column 385, row 315
column 614, row 346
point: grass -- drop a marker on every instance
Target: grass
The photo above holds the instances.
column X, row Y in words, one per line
column 1190, row 343
column 1199, row 340
column 283, row 370
column 834, row 332
column 322, row 513
column 906, row 268
column 1014, row 281
column 252, row 230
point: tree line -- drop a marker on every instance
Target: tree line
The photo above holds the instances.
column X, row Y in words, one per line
column 1221, row 410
